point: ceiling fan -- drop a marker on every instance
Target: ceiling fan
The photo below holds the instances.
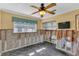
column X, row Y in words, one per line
column 43, row 10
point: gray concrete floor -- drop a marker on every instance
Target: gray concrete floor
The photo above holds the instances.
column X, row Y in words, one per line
column 41, row 49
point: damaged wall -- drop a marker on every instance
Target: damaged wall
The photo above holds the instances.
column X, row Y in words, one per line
column 10, row 40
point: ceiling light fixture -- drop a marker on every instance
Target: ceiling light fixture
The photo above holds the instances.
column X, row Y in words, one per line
column 42, row 13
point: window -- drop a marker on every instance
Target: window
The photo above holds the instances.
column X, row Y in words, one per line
column 50, row 25
column 21, row 25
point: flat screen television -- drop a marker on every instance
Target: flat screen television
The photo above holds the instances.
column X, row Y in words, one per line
column 64, row 25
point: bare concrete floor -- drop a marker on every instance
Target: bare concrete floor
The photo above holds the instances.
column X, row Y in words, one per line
column 41, row 49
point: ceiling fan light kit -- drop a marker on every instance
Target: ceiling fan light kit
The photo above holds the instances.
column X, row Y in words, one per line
column 42, row 13
column 43, row 10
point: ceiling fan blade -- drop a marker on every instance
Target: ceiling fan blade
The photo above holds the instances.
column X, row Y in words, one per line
column 50, row 5
column 35, row 12
column 35, row 7
column 50, row 12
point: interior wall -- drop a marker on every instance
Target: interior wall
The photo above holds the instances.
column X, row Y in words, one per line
column 6, row 20
column 0, row 20
column 9, row 40
column 69, row 16
column 39, row 26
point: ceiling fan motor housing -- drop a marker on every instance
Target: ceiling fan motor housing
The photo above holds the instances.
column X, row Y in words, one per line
column 42, row 6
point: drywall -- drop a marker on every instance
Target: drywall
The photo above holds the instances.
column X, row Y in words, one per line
column 0, row 20
column 69, row 16
column 39, row 26
column 6, row 19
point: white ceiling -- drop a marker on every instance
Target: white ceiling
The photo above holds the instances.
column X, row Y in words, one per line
column 25, row 8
